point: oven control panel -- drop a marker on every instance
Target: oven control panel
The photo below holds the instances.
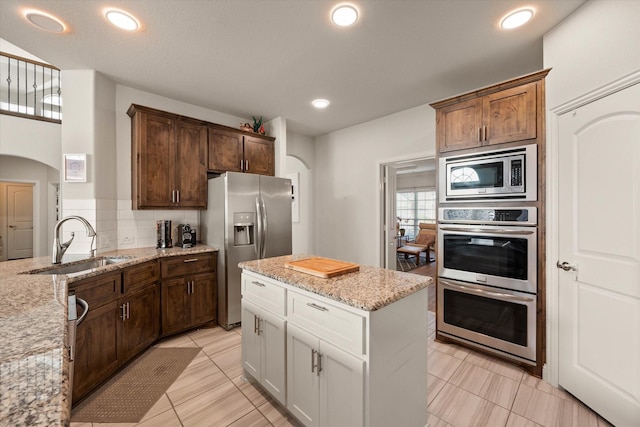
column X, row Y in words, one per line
column 496, row 216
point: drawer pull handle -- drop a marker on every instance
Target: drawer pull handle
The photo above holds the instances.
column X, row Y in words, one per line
column 313, row 360
column 317, row 307
column 255, row 282
column 190, row 260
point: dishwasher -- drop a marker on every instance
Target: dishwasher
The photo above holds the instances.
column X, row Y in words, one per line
column 73, row 322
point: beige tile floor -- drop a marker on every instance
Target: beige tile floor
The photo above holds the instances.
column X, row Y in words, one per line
column 466, row 389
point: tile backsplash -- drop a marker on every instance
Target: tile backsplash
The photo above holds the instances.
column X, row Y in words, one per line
column 137, row 228
column 117, row 225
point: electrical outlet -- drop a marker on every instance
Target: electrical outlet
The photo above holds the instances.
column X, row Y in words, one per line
column 127, row 240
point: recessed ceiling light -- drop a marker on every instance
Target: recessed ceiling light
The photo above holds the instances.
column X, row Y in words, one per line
column 122, row 19
column 344, row 15
column 320, row 103
column 45, row 21
column 516, row 18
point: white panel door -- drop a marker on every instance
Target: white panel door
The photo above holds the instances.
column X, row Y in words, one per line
column 303, row 388
column 341, row 387
column 19, row 221
column 599, row 244
column 273, row 366
column 250, row 339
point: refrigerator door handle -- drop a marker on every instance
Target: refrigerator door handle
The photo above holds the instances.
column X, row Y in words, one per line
column 265, row 226
column 258, row 242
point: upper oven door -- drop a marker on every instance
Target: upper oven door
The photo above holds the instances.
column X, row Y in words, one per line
column 502, row 256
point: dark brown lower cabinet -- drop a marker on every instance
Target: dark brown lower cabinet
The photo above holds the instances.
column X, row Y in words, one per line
column 96, row 349
column 141, row 324
column 123, row 320
column 187, row 302
column 125, row 312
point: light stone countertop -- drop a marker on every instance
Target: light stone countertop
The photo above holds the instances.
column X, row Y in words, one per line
column 369, row 289
column 34, row 377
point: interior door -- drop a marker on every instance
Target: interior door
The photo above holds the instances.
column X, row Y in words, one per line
column 19, row 221
column 599, row 255
column 389, row 232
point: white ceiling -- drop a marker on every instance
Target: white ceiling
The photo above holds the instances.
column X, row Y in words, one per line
column 272, row 57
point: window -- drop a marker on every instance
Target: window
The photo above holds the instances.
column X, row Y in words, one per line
column 414, row 207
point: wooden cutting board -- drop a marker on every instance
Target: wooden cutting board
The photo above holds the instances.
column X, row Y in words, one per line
column 322, row 267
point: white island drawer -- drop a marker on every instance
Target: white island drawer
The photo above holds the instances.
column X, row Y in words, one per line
column 264, row 292
column 328, row 321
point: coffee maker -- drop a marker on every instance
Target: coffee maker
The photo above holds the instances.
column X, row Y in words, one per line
column 163, row 233
column 186, row 236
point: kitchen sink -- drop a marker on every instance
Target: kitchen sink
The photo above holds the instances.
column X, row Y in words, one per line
column 81, row 266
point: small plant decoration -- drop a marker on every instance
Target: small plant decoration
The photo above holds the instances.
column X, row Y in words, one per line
column 257, row 125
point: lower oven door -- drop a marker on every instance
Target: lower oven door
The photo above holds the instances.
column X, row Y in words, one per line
column 498, row 320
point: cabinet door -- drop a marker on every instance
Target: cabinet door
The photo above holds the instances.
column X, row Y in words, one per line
column 458, row 125
column 259, row 156
column 341, row 387
column 510, row 115
column 155, row 160
column 191, row 164
column 225, row 151
column 303, row 388
column 272, row 331
column 203, row 302
column 250, row 339
column 141, row 326
column 175, row 305
column 96, row 348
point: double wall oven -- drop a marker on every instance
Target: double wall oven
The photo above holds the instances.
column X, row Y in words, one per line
column 487, row 292
column 487, row 285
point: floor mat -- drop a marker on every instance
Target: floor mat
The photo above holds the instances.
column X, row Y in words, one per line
column 129, row 395
column 406, row 264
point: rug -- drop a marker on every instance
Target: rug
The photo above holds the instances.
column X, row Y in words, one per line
column 406, row 264
column 129, row 395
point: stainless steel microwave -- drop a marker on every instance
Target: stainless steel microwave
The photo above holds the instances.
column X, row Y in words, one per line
column 509, row 174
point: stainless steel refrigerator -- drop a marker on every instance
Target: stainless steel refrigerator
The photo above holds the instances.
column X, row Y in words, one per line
column 248, row 217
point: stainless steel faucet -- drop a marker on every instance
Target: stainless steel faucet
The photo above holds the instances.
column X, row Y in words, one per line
column 60, row 248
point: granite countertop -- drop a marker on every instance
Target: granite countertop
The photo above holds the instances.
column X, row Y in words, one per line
column 34, row 377
column 369, row 289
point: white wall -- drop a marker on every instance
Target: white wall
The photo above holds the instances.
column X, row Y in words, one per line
column 597, row 45
column 594, row 46
column 136, row 228
column 416, row 180
column 301, row 161
column 347, row 178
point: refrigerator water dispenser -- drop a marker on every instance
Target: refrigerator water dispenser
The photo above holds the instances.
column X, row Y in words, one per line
column 243, row 223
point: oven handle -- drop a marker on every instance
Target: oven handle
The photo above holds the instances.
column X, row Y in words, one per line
column 505, row 297
column 489, row 231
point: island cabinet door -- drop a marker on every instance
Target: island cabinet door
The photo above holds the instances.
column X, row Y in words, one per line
column 250, row 339
column 272, row 330
column 341, row 387
column 303, row 381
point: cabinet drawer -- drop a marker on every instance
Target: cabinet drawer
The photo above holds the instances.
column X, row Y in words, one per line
column 98, row 290
column 190, row 264
column 340, row 327
column 139, row 276
column 264, row 292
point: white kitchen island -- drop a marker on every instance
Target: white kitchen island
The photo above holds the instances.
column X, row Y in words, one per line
column 344, row 351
